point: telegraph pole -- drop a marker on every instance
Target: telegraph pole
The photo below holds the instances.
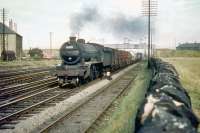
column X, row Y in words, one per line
column 3, row 14
column 149, row 32
column 50, row 42
column 151, row 43
column 150, row 9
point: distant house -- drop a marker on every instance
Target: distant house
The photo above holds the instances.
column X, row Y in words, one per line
column 13, row 41
column 189, row 46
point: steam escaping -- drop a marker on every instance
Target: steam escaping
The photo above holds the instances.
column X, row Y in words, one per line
column 79, row 20
column 118, row 25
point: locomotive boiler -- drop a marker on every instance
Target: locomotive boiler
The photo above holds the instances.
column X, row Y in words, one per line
column 82, row 61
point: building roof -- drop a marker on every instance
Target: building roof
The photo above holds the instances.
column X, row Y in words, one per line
column 7, row 30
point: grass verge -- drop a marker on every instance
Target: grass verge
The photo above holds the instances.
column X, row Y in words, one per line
column 189, row 73
column 177, row 53
column 123, row 119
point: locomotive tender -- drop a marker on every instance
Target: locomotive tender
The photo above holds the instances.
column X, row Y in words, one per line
column 87, row 61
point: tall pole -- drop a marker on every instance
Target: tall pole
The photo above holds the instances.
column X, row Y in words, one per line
column 3, row 16
column 152, row 43
column 4, row 49
column 149, row 32
column 50, row 40
column 149, row 10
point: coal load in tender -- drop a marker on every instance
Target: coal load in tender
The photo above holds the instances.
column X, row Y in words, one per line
column 167, row 106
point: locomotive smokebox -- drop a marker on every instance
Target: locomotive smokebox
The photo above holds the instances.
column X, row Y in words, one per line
column 81, row 41
column 72, row 39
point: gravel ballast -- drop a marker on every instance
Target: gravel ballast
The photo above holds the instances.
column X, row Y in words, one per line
column 36, row 122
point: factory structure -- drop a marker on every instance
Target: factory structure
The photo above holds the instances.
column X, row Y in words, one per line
column 188, row 46
column 13, row 40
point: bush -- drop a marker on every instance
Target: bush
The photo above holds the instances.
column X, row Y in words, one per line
column 36, row 53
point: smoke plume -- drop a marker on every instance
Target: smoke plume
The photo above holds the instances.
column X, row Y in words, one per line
column 79, row 20
column 126, row 26
column 118, row 25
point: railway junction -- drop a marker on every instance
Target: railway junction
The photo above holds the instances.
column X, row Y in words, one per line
column 31, row 104
column 130, row 73
column 42, row 104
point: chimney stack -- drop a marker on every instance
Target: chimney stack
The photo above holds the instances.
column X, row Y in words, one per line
column 72, row 39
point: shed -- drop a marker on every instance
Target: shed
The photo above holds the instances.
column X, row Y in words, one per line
column 13, row 41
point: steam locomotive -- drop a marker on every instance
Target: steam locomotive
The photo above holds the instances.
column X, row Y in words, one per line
column 82, row 61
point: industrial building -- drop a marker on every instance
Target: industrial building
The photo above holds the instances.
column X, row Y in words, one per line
column 13, row 41
column 188, row 46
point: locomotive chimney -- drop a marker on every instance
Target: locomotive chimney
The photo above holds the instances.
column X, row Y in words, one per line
column 81, row 41
column 72, row 39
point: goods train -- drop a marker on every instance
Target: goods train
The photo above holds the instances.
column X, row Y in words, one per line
column 87, row 61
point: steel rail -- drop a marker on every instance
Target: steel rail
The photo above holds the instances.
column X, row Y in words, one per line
column 25, row 87
column 21, row 78
column 34, row 90
column 51, row 125
column 27, row 84
column 13, row 116
column 9, row 73
column 27, row 97
column 23, row 95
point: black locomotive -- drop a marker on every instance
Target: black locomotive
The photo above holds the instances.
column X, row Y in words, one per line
column 87, row 61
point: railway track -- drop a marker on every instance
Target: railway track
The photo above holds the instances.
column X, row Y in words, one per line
column 23, row 76
column 83, row 117
column 26, row 100
column 18, row 91
column 20, row 108
column 34, row 100
column 9, row 73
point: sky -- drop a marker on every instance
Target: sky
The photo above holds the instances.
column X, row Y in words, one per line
column 103, row 21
